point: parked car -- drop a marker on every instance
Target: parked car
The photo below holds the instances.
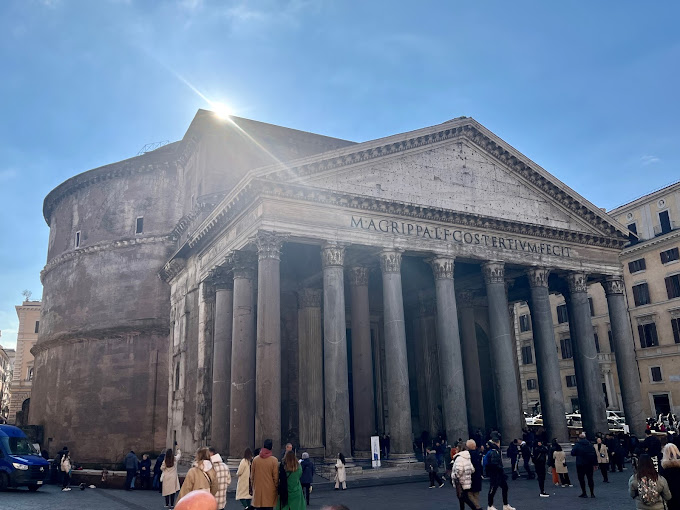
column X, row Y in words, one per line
column 574, row 420
column 20, row 462
column 534, row 420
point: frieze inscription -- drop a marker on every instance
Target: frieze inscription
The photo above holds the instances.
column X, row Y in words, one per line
column 462, row 236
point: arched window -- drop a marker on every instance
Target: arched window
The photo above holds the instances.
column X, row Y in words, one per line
column 29, row 376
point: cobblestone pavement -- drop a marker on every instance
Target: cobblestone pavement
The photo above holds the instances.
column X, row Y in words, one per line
column 523, row 496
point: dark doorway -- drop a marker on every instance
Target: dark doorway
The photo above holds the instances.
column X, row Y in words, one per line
column 665, row 221
column 661, row 404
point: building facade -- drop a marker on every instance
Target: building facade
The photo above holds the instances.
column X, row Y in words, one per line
column 651, row 265
column 6, row 366
column 23, row 371
column 318, row 291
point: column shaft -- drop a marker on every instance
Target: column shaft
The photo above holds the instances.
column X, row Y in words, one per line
column 362, row 360
column 454, row 403
column 502, row 353
column 222, row 350
column 310, row 356
column 242, row 401
column 471, row 369
column 335, row 352
column 547, row 364
column 428, row 335
column 624, row 350
column 398, row 398
column 268, row 357
column 586, row 364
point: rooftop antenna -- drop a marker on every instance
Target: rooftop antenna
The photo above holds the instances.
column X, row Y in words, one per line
column 152, row 147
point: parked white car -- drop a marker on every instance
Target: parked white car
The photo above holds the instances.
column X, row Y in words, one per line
column 534, row 420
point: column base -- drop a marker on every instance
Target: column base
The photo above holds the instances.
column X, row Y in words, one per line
column 399, row 460
column 316, row 452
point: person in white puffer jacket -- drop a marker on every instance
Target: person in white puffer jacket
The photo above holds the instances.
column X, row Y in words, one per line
column 462, row 473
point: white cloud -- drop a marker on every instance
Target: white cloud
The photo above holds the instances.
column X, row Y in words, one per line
column 649, row 160
column 8, row 340
column 7, row 174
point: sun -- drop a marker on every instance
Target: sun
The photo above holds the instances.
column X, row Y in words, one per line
column 221, row 110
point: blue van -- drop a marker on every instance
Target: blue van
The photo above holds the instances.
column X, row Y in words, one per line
column 20, row 462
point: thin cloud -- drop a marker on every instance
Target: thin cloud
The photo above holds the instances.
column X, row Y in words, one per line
column 7, row 174
column 649, row 160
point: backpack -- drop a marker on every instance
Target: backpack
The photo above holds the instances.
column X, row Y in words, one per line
column 492, row 460
column 648, row 492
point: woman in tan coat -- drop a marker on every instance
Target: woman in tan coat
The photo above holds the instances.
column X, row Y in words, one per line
column 201, row 477
column 264, row 475
column 561, row 466
column 243, row 494
column 169, row 477
column 602, row 458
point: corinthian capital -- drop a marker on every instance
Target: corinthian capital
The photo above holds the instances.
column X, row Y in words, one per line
column 538, row 277
column 269, row 244
column 332, row 254
column 221, row 278
column 390, row 260
column 442, row 267
column 309, row 298
column 494, row 272
column 243, row 264
column 578, row 282
column 358, row 276
column 613, row 285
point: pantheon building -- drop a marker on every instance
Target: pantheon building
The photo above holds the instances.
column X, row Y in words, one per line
column 252, row 281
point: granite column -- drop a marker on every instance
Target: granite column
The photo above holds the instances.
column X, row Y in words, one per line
column 450, row 358
column 362, row 361
column 336, row 378
column 586, row 364
column 502, row 353
column 624, row 350
column 398, row 398
column 242, row 401
column 310, row 356
column 268, row 357
column 471, row 369
column 547, row 364
column 223, row 281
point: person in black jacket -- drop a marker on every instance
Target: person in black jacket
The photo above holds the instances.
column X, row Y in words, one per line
column 145, row 472
column 476, row 460
column 431, row 466
column 526, row 455
column 494, row 470
column 307, row 475
column 586, row 462
column 157, row 472
column 540, row 458
column 513, row 455
column 652, row 447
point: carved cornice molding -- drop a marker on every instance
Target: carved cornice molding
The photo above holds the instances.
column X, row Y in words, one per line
column 242, row 198
column 269, row 244
column 578, row 282
column 243, row 264
column 538, row 277
column 442, row 267
column 613, row 285
column 221, row 278
column 309, row 298
column 99, row 247
column 390, row 261
column 358, row 276
column 171, row 269
column 474, row 135
column 494, row 272
column 332, row 255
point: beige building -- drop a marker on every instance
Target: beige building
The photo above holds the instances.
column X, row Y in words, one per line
column 22, row 376
column 651, row 265
column 6, row 364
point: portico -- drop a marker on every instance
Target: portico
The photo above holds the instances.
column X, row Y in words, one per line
column 349, row 287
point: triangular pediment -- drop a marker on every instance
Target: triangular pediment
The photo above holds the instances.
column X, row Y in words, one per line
column 457, row 166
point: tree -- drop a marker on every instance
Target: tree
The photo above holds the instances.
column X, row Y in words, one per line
column 27, row 295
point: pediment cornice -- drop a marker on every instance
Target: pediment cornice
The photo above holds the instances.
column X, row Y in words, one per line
column 463, row 128
column 255, row 188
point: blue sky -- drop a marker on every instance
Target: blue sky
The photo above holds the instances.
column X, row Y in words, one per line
column 589, row 90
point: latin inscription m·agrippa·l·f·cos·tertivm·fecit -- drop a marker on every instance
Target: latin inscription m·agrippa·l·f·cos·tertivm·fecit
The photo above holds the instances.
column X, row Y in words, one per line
column 458, row 236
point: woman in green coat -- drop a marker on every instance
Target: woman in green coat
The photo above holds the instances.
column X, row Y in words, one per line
column 296, row 500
